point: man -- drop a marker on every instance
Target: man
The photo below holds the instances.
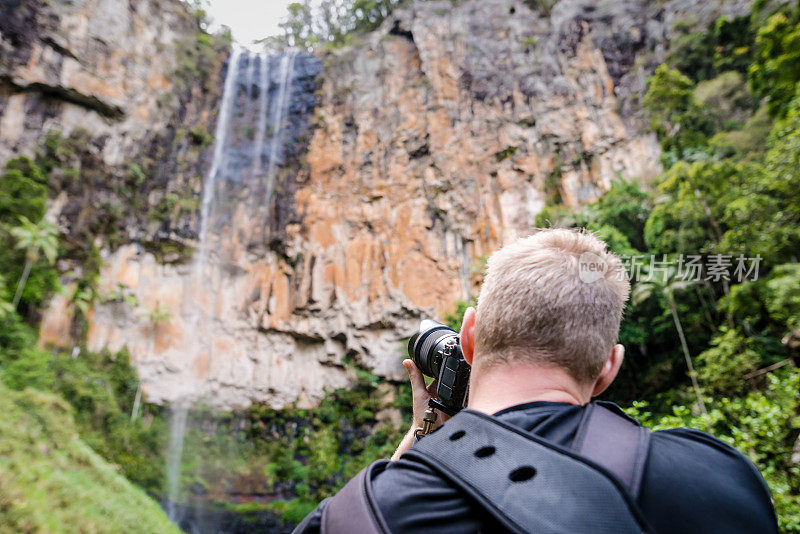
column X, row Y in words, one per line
column 541, row 345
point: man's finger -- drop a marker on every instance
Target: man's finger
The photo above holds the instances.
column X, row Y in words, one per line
column 415, row 375
column 431, row 389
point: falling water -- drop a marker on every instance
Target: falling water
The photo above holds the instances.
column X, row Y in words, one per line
column 276, row 120
column 262, row 112
column 219, row 153
column 249, row 148
column 177, row 431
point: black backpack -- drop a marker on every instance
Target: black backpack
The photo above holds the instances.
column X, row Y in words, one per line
column 525, row 482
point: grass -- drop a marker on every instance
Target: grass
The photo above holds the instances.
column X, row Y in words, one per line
column 51, row 481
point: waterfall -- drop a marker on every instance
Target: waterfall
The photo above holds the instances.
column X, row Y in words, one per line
column 276, row 120
column 254, row 125
column 177, row 432
column 220, row 132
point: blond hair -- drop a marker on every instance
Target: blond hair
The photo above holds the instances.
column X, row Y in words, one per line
column 554, row 298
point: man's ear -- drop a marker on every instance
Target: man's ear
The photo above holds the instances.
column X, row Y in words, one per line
column 468, row 334
column 610, row 370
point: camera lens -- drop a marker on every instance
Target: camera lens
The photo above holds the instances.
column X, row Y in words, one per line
column 425, row 346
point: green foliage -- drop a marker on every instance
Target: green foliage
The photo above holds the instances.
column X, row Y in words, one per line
column 506, row 153
column 197, row 57
column 300, row 455
column 726, row 45
column 136, row 175
column 669, row 94
column 776, row 70
column 762, row 215
column 453, row 319
column 762, row 424
column 625, row 207
column 687, row 217
column 164, row 210
column 618, row 217
column 726, row 100
column 36, row 239
column 710, row 65
column 100, row 388
column 552, row 186
column 748, row 142
column 23, row 191
column 722, row 368
column 51, row 481
column 25, row 236
column 782, row 295
column 679, row 121
column 22, row 364
column 558, row 216
column 296, row 509
column 331, row 23
column 200, row 136
column 122, row 294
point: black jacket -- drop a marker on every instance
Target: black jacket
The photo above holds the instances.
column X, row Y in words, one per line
column 692, row 483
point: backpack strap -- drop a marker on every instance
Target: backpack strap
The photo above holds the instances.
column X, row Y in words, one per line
column 616, row 442
column 352, row 509
column 527, row 483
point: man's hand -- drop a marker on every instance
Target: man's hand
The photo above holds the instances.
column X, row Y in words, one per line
column 420, row 395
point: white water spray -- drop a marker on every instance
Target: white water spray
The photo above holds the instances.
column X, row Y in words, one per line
column 237, row 170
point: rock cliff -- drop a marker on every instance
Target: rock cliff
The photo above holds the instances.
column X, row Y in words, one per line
column 102, row 65
column 435, row 139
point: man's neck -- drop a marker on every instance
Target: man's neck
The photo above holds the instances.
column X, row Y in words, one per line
column 509, row 384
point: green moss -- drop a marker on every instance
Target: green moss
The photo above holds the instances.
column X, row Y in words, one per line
column 201, row 137
column 552, row 186
column 197, row 58
column 505, row 153
column 164, row 210
column 136, row 176
column 167, row 251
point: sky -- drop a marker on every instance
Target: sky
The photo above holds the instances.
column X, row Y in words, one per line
column 248, row 19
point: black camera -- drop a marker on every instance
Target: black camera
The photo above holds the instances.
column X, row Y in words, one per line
column 436, row 351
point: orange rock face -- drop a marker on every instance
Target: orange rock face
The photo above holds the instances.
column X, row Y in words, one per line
column 436, row 139
column 105, row 66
